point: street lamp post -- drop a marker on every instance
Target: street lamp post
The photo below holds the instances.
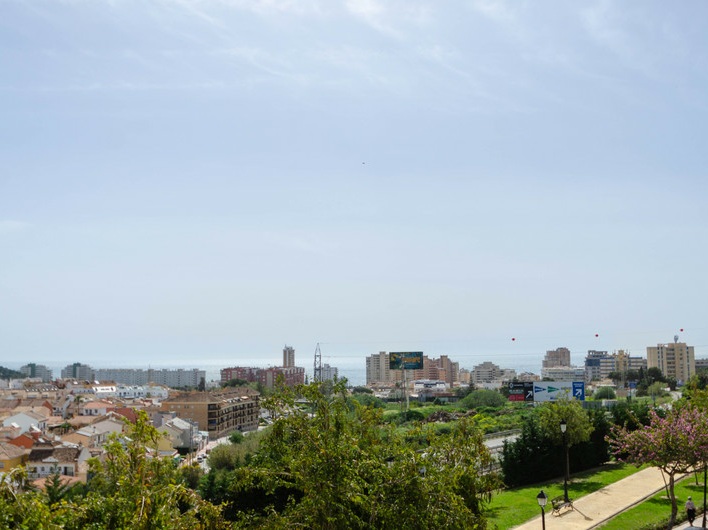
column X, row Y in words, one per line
column 564, row 428
column 542, row 500
column 705, row 479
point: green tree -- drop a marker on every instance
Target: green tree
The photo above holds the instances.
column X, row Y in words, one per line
column 236, row 437
column 537, row 454
column 604, row 392
column 463, row 391
column 55, row 488
column 616, row 377
column 698, row 381
column 630, row 415
column 133, row 488
column 569, row 414
column 676, row 444
column 532, row 457
column 235, row 382
column 225, row 456
column 578, row 424
column 368, row 400
column 21, row 506
column 7, row 373
column 331, row 467
column 657, row 390
column 654, row 374
column 483, row 398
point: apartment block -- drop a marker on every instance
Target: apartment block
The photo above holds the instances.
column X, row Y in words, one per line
column 674, row 359
column 268, row 377
column 443, row 368
column 377, row 369
column 564, row 373
column 557, row 357
column 288, row 356
column 78, row 371
column 485, row 373
column 38, row 371
column 329, row 373
column 218, row 413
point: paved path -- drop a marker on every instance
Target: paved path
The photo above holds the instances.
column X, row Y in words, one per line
column 596, row 508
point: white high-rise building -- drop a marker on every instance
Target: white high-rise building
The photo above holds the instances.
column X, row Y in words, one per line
column 329, row 373
column 37, row 370
column 288, row 356
column 78, row 371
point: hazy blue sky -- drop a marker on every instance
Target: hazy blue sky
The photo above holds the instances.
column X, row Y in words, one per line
column 213, row 179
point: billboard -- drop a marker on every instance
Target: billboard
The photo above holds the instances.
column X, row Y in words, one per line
column 553, row 390
column 405, row 360
column 521, row 391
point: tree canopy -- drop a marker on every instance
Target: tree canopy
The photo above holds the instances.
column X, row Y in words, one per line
column 604, row 392
column 130, row 488
column 483, row 398
column 328, row 466
column 675, row 444
column 578, row 424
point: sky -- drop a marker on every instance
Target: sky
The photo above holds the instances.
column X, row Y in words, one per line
column 191, row 181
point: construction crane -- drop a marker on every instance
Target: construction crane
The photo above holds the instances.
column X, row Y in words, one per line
column 318, row 364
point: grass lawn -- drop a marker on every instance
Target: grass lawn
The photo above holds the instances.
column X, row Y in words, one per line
column 513, row 507
column 655, row 512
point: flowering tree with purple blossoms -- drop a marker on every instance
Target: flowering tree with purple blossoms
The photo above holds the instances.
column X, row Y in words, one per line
column 675, row 444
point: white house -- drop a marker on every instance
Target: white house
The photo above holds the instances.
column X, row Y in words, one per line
column 25, row 420
column 46, row 459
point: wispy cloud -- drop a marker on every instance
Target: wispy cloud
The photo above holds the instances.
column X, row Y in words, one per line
column 392, row 18
column 496, row 10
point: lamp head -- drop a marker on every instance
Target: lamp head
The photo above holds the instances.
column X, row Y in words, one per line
column 564, row 426
column 542, row 499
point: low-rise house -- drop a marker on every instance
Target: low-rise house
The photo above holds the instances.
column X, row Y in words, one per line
column 105, row 391
column 127, row 413
column 142, row 391
column 96, row 408
column 11, row 456
column 10, row 432
column 96, row 434
column 62, row 406
column 27, row 419
column 430, row 384
column 41, row 483
column 26, row 440
column 48, row 458
column 183, row 435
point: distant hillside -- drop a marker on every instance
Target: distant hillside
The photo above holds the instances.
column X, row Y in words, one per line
column 6, row 373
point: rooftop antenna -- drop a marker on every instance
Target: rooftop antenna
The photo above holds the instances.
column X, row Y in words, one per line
column 318, row 364
column 675, row 339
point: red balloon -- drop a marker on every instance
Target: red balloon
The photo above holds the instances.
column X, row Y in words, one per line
column 597, row 334
column 513, row 338
column 681, row 330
